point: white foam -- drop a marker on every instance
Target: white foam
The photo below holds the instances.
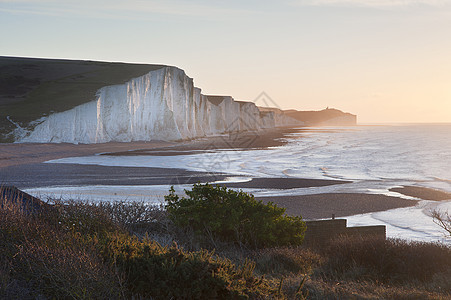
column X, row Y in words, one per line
column 411, row 223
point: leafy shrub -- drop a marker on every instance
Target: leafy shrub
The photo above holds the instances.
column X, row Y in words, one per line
column 231, row 216
column 171, row 273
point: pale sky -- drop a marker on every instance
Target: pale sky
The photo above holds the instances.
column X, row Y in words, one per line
column 386, row 61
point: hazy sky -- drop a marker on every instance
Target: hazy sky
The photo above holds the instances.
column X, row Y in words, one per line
column 386, row 61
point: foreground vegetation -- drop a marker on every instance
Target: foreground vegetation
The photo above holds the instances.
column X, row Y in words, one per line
column 122, row 251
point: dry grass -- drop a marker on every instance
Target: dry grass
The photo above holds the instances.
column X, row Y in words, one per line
column 390, row 261
column 322, row 289
column 43, row 257
column 360, row 269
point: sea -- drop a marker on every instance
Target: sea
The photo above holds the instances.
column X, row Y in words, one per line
column 374, row 157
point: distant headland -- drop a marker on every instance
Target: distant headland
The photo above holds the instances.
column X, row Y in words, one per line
column 52, row 100
column 325, row 117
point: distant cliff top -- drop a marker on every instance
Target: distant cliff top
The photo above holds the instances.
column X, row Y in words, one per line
column 325, row 117
column 32, row 87
column 328, row 116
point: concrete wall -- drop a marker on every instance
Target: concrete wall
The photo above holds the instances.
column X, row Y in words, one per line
column 322, row 231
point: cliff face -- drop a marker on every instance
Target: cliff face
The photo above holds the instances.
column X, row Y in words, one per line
column 161, row 105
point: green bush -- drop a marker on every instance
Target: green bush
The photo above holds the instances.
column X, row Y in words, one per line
column 230, row 216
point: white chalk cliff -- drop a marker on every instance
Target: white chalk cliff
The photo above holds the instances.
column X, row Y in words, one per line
column 161, row 105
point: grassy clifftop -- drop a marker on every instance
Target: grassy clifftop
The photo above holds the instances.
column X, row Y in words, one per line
column 31, row 88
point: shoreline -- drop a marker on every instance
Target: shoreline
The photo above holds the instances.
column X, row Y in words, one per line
column 22, row 165
column 14, row 154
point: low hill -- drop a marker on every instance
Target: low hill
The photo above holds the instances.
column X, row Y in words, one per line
column 325, row 117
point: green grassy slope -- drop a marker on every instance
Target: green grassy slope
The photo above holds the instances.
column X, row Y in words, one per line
column 31, row 88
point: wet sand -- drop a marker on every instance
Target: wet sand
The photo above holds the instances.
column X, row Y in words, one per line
column 422, row 193
column 321, row 206
column 283, row 183
column 22, row 165
column 45, row 175
column 31, row 153
column 232, row 141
